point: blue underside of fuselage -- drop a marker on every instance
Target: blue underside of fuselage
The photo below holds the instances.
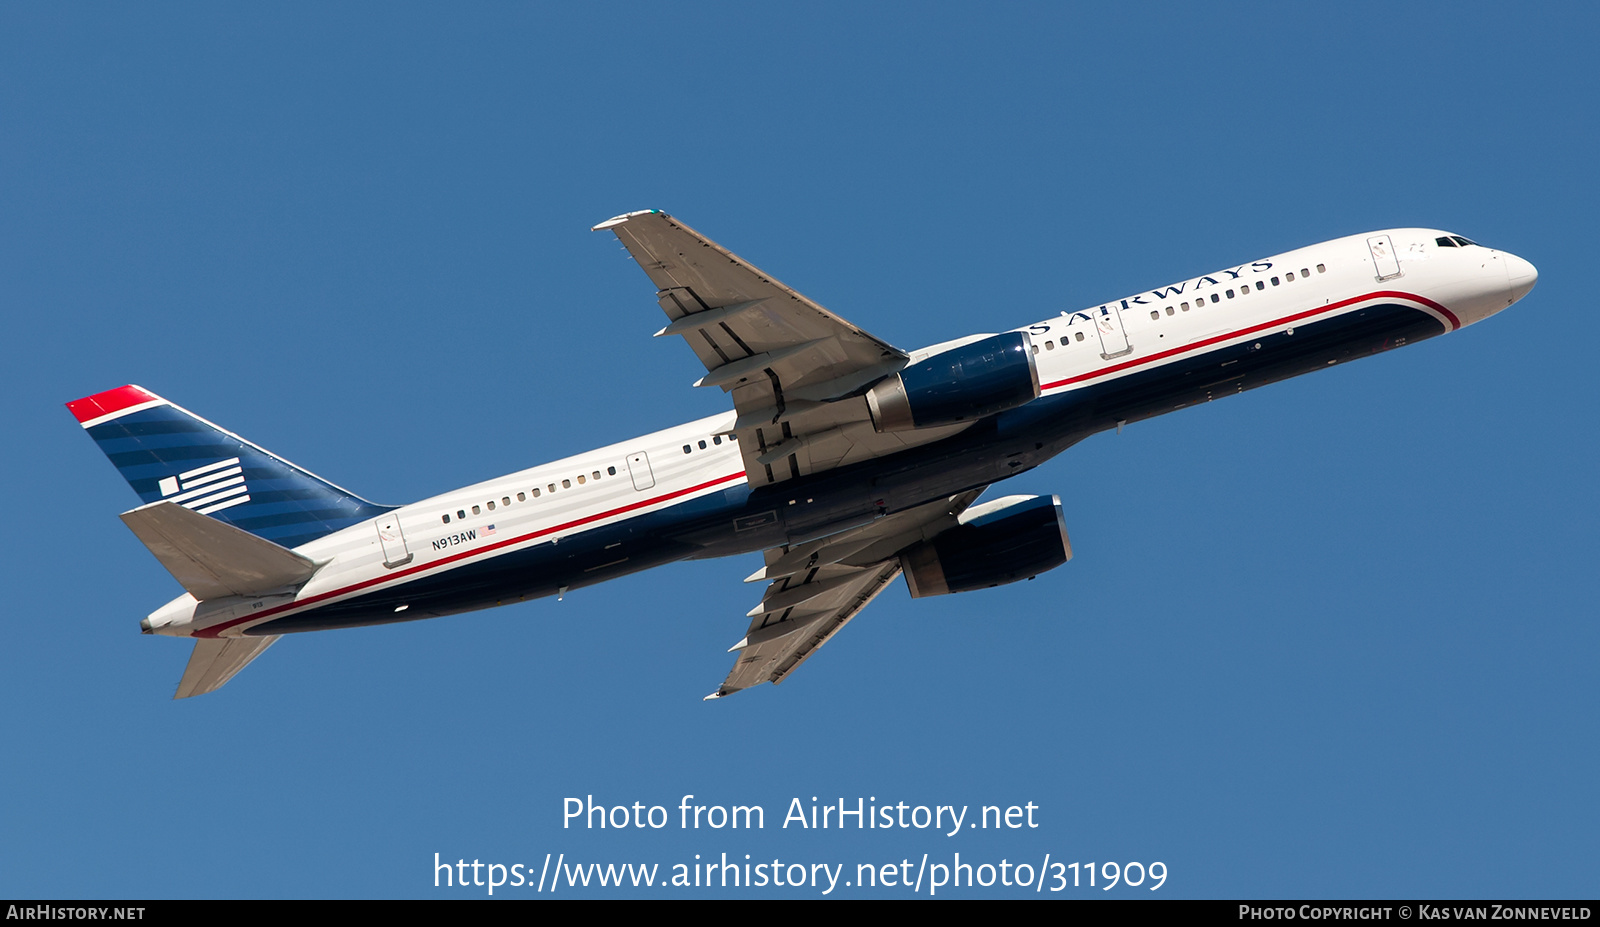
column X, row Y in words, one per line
column 739, row 520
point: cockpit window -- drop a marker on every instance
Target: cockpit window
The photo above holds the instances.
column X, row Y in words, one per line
column 1463, row 242
column 1445, row 242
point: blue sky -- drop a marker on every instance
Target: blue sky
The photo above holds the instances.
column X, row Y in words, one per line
column 1334, row 637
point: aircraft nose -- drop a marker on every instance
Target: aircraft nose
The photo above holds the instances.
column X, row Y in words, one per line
column 1520, row 277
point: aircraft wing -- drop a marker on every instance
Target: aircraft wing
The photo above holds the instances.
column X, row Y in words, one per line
column 815, row 589
column 795, row 370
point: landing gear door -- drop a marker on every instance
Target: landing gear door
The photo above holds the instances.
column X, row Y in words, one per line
column 1383, row 257
column 639, row 469
column 393, row 541
column 1113, row 337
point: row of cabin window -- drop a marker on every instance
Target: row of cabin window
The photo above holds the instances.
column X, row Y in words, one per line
column 715, row 439
column 523, row 496
column 1260, row 285
column 1156, row 313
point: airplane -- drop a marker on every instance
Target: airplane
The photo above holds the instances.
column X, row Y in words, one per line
column 845, row 460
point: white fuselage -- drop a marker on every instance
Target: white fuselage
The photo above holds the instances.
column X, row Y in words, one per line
column 610, row 488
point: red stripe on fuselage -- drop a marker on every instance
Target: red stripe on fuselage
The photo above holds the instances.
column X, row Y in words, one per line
column 587, row 519
column 112, row 400
column 1455, row 324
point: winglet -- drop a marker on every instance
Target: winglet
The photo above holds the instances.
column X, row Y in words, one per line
column 618, row 220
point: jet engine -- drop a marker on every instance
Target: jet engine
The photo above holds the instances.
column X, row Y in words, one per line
column 999, row 542
column 962, row 384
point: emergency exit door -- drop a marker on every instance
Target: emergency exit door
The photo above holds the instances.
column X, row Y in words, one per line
column 1113, row 337
column 639, row 469
column 393, row 541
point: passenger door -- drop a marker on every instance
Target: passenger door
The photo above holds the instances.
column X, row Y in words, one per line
column 1383, row 257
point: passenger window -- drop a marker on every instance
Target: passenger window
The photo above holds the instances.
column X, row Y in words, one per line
column 1289, row 275
column 581, row 479
column 1215, row 298
column 491, row 505
column 1078, row 335
column 702, row 444
column 566, row 484
column 1169, row 310
column 1154, row 314
column 612, row 470
column 552, row 487
column 1185, row 306
column 1049, row 345
column 597, row 474
column 447, row 518
column 1230, row 293
column 1274, row 281
column 461, row 513
column 536, row 492
column 1260, row 285
column 505, row 500
column 1304, row 272
column 476, row 510
column 686, row 449
column 523, row 497
column 1322, row 268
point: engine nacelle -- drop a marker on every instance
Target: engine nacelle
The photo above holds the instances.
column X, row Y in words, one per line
column 960, row 385
column 999, row 542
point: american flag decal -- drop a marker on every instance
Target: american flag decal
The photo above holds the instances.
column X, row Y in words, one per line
column 208, row 489
column 486, row 531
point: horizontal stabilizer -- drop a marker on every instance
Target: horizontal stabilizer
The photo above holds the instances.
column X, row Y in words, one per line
column 217, row 660
column 213, row 559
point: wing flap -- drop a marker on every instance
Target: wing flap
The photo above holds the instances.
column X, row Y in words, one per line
column 213, row 559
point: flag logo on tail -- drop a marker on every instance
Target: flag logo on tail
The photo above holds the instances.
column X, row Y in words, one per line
column 208, row 489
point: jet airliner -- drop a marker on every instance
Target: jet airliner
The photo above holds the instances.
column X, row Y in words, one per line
column 844, row 459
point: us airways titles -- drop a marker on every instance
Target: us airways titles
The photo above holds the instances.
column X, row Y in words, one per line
column 862, row 814
column 1160, row 293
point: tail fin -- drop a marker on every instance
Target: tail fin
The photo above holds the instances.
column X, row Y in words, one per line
column 166, row 452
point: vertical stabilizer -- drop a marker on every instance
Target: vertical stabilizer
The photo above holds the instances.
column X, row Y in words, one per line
column 167, row 453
